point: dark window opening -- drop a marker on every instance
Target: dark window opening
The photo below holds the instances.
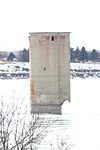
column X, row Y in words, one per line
column 44, row 68
column 52, row 38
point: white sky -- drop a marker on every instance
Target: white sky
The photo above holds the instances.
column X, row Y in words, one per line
column 19, row 17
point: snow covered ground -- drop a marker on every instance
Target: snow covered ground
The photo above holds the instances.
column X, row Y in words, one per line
column 12, row 70
column 20, row 70
column 85, row 70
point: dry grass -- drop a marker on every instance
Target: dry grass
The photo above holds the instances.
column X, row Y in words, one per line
column 3, row 62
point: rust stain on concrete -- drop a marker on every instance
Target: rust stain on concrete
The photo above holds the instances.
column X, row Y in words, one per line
column 62, row 37
column 32, row 87
column 32, row 90
column 48, row 37
column 56, row 37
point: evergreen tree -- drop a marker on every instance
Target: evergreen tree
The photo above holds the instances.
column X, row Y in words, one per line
column 94, row 55
column 10, row 57
column 83, row 56
column 25, row 55
column 72, row 54
column 77, row 53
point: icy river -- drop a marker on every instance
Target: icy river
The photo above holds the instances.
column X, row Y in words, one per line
column 79, row 123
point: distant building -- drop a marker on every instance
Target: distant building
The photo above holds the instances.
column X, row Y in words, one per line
column 49, row 71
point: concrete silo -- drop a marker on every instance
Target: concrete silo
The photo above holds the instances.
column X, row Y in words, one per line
column 49, row 71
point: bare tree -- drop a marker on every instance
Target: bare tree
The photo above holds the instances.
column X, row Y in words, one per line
column 65, row 143
column 62, row 141
column 20, row 130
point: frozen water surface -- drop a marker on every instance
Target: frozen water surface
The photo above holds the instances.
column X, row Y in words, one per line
column 80, row 118
column 84, row 111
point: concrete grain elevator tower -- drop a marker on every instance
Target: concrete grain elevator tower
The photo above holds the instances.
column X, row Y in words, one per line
column 49, row 71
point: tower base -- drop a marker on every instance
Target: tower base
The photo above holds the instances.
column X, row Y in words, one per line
column 46, row 108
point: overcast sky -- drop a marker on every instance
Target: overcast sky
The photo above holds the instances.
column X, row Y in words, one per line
column 19, row 17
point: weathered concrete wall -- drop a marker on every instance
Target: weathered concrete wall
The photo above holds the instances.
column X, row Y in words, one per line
column 50, row 71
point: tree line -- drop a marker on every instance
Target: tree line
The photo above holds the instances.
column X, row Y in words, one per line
column 22, row 56
column 82, row 55
column 76, row 55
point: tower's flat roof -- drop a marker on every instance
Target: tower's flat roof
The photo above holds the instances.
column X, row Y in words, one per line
column 48, row 32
